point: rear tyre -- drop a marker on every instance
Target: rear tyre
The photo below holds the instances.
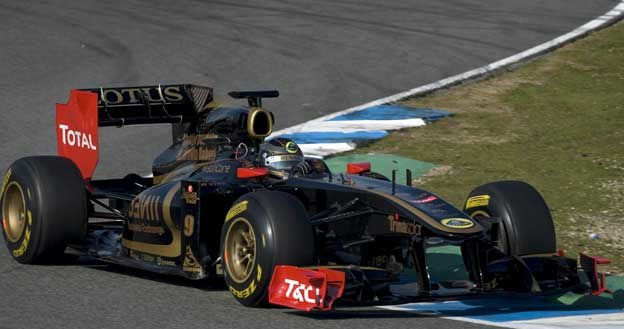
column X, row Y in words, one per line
column 44, row 207
column 527, row 227
column 263, row 229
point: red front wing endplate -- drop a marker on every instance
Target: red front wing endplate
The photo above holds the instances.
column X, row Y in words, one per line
column 306, row 289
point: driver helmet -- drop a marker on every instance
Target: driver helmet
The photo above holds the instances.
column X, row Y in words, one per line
column 280, row 156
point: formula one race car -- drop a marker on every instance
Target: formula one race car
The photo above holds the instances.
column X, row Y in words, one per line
column 278, row 226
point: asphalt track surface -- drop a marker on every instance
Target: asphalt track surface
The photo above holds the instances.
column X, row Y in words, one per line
column 322, row 55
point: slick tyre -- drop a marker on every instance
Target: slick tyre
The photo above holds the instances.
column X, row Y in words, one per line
column 44, row 207
column 261, row 230
column 527, row 227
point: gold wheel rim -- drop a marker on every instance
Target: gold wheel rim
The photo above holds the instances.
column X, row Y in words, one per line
column 14, row 212
column 240, row 250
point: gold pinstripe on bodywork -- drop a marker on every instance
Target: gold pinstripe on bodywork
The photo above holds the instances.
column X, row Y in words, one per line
column 425, row 217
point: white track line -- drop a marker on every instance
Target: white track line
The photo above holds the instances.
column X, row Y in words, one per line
column 608, row 18
column 594, row 321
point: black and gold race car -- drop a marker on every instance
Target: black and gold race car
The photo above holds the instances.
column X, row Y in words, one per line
column 278, row 226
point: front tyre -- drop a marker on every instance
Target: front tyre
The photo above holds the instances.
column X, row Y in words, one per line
column 44, row 207
column 263, row 229
column 527, row 226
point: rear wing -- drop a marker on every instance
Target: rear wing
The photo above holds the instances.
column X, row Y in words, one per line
column 150, row 104
column 77, row 121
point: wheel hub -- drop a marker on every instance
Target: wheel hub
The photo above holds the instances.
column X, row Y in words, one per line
column 240, row 250
column 13, row 212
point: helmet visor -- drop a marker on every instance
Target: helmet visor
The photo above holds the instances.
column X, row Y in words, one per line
column 283, row 162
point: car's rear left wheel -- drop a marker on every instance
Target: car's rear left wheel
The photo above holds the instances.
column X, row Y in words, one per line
column 44, row 207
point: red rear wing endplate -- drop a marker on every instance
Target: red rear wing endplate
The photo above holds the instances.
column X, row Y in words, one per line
column 77, row 131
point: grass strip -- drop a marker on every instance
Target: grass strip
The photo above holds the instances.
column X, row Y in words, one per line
column 557, row 123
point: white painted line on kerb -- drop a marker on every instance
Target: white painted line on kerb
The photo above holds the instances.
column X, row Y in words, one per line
column 323, row 149
column 365, row 125
column 600, row 22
